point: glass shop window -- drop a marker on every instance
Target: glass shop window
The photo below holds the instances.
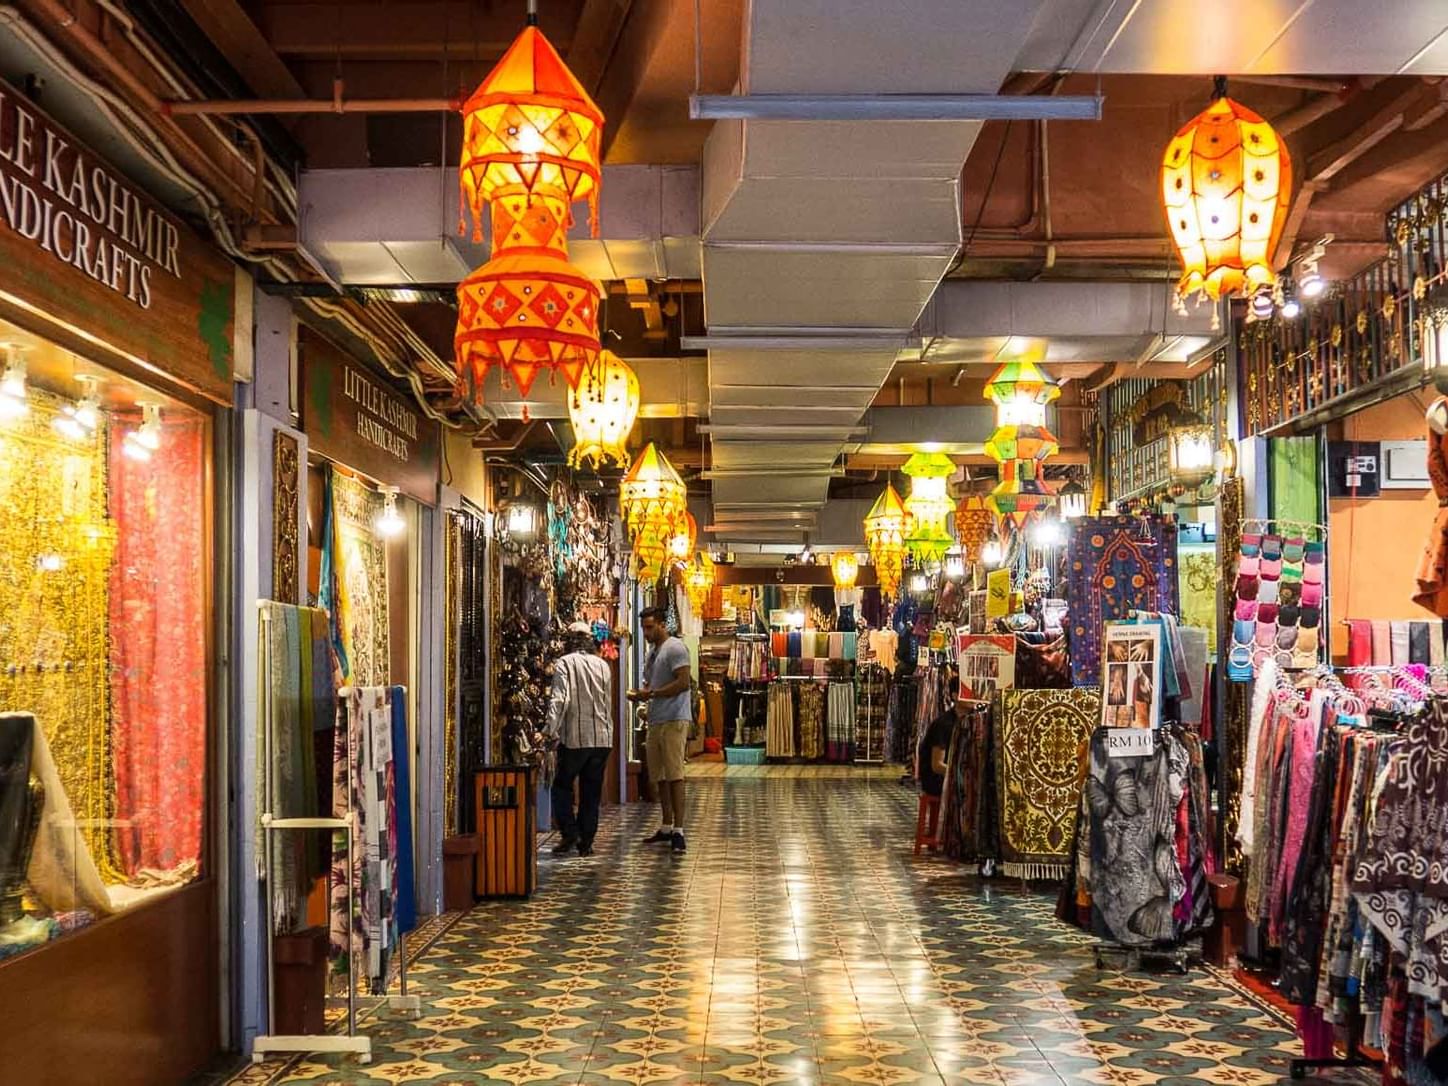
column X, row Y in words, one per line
column 104, row 574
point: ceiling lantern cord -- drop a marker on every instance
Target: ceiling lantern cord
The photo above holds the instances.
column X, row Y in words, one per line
column 1021, row 443
column 929, row 506
column 1226, row 180
column 885, row 530
column 602, row 408
column 532, row 146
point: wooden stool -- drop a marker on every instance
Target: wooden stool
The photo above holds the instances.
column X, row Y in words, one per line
column 926, row 818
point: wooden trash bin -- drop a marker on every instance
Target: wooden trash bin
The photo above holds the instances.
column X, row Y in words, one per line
column 459, row 872
column 507, row 810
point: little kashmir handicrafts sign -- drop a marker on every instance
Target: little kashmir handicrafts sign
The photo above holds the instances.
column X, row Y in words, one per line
column 89, row 249
column 354, row 415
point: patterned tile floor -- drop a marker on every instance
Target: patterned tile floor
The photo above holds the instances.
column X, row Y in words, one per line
column 798, row 942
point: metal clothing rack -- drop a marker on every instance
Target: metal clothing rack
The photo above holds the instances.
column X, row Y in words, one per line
column 351, row 1041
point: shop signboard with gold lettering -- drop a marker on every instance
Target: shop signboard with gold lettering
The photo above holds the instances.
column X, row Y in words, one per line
column 354, row 415
column 87, row 249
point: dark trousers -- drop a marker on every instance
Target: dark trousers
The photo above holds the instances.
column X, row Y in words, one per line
column 586, row 765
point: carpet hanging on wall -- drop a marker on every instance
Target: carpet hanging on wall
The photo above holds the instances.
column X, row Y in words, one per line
column 1040, row 736
column 158, row 653
column 1115, row 565
column 354, row 580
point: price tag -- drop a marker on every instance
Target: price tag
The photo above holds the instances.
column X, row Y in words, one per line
column 1130, row 742
column 922, row 656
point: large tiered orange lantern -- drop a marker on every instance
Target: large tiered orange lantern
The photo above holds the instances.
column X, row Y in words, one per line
column 532, row 139
column 652, row 495
column 886, row 526
column 603, row 407
column 1226, row 180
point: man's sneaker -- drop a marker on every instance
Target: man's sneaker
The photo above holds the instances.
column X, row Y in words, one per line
column 677, row 844
column 660, row 837
column 563, row 847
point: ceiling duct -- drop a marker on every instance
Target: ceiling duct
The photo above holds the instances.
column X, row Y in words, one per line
column 831, row 230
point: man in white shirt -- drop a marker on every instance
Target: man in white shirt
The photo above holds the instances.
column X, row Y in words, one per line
column 667, row 688
column 580, row 715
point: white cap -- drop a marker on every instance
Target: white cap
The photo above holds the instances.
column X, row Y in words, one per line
column 580, row 627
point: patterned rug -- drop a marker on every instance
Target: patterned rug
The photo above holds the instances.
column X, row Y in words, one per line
column 1039, row 737
column 1114, row 565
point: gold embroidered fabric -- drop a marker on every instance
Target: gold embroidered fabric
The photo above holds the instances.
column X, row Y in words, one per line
column 1237, row 704
column 1197, row 576
column 361, row 581
column 55, row 553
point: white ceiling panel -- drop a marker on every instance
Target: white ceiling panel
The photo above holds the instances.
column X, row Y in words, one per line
column 836, row 209
column 1299, row 37
column 895, row 47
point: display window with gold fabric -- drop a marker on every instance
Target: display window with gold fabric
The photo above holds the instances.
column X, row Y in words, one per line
column 103, row 642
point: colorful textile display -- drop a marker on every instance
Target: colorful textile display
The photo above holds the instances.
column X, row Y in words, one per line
column 354, row 581
column 900, row 723
column 158, row 652
column 811, row 720
column 295, row 697
column 1115, row 564
column 967, row 805
column 400, row 801
column 1432, row 577
column 872, row 707
column 840, row 722
column 362, row 764
column 1039, row 738
column 1197, row 569
column 1232, row 750
column 57, row 619
column 779, row 722
column 1279, row 589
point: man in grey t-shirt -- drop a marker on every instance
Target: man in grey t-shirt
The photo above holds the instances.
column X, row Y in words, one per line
column 667, row 690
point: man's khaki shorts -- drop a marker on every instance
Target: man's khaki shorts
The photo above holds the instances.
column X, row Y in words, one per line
column 665, row 746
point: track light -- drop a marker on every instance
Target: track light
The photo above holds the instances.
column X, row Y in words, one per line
column 141, row 442
column 13, row 404
column 79, row 420
column 1291, row 308
column 991, row 552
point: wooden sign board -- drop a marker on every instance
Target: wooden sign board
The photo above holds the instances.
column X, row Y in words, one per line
column 356, row 416
column 88, row 249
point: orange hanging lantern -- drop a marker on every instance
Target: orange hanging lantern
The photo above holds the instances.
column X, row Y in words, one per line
column 681, row 542
column 1226, row 180
column 974, row 524
column 845, row 568
column 532, row 141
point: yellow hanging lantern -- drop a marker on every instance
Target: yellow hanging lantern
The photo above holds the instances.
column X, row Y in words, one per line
column 929, row 505
column 845, row 568
column 699, row 581
column 651, row 495
column 886, row 526
column 603, row 407
column 651, row 553
column 1226, row 180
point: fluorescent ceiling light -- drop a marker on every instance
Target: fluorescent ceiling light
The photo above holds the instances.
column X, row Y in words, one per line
column 894, row 107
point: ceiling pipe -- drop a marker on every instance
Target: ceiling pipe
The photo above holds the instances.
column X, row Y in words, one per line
column 338, row 103
column 893, row 107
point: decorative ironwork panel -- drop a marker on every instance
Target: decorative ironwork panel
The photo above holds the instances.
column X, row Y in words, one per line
column 1358, row 334
column 286, row 514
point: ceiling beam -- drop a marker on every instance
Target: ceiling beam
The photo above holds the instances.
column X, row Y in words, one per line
column 425, row 30
column 233, row 32
column 600, row 25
